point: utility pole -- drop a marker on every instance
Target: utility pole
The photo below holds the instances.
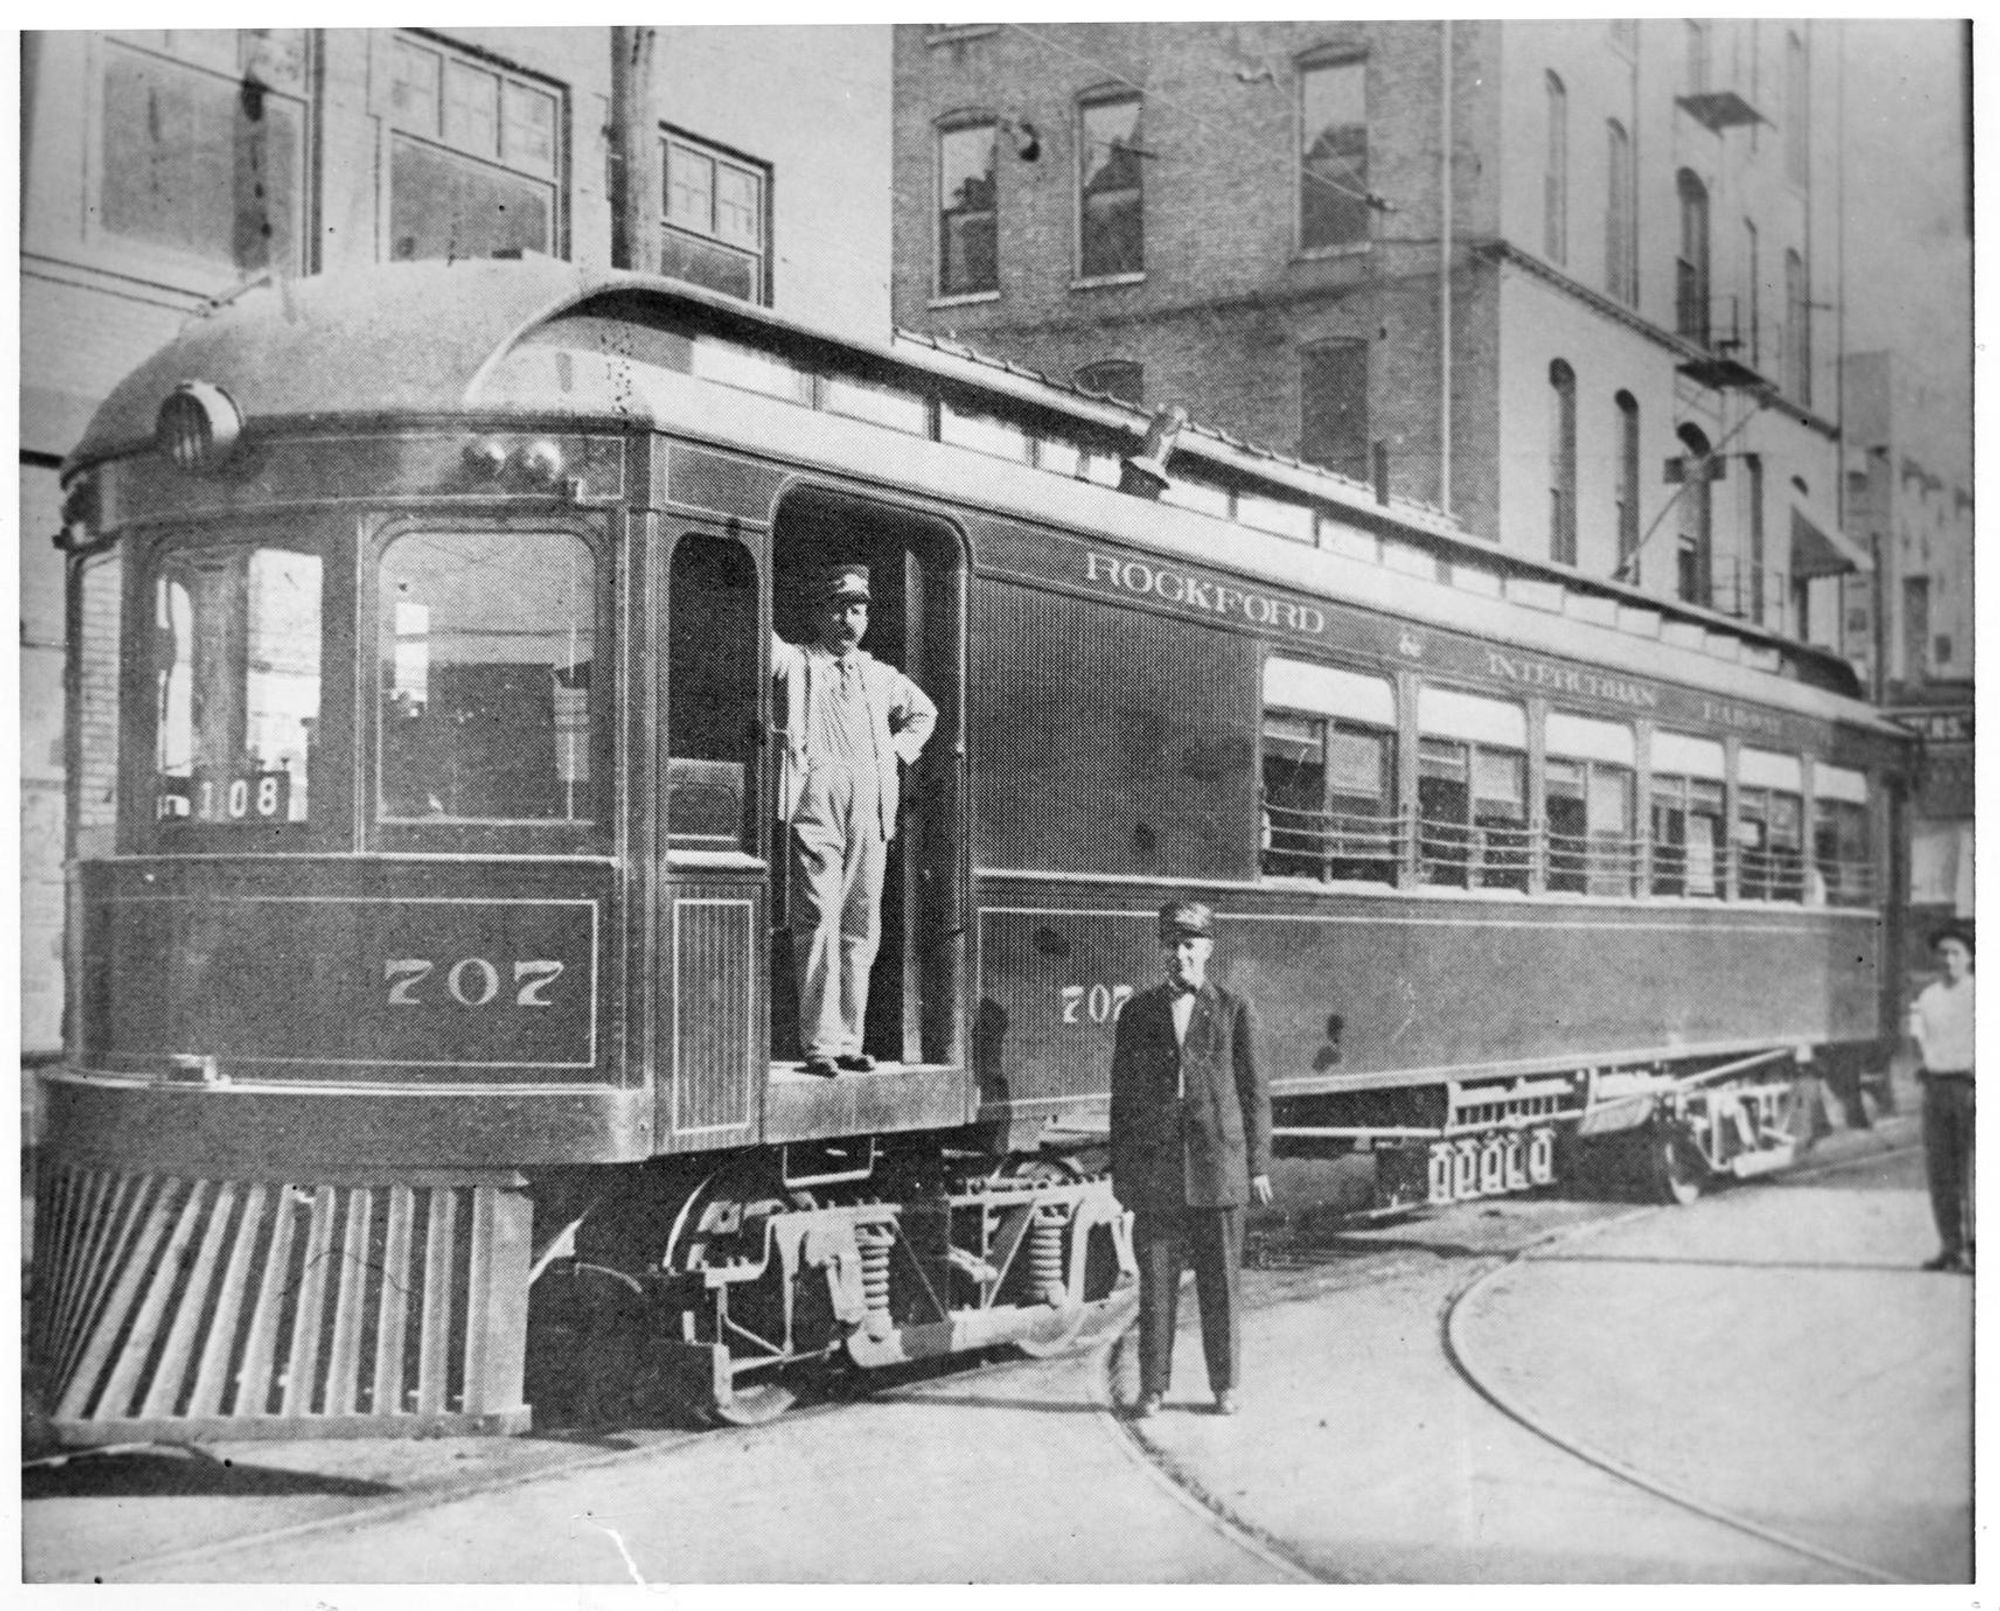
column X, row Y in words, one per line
column 637, row 199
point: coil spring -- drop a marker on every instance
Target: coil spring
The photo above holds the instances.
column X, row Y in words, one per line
column 1045, row 1255
column 873, row 1242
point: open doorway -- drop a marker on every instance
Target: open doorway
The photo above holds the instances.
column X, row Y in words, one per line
column 916, row 573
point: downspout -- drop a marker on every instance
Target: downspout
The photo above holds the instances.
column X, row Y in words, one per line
column 1444, row 266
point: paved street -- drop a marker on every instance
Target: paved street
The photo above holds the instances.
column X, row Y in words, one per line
column 1760, row 1388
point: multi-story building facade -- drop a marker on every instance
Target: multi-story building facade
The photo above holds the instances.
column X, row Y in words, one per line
column 165, row 169
column 1573, row 282
column 1909, row 497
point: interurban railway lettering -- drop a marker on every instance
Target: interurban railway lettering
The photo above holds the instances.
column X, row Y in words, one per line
column 1572, row 680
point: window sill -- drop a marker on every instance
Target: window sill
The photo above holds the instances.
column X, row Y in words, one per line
column 1321, row 254
column 1098, row 282
column 963, row 300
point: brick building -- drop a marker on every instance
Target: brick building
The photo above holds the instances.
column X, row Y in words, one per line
column 1571, row 281
column 164, row 169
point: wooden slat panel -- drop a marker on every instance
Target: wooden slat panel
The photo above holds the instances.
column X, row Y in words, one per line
column 213, row 1375
column 194, row 1305
column 122, row 1214
column 435, row 1339
column 58, row 1193
column 134, row 1263
column 497, row 1300
column 393, row 1320
column 713, row 1036
column 350, row 1297
column 302, row 1368
column 253, row 1391
column 161, row 1275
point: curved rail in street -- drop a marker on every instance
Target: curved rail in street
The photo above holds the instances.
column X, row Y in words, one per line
column 1465, row 1359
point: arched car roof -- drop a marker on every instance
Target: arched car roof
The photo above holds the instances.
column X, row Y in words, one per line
column 393, row 338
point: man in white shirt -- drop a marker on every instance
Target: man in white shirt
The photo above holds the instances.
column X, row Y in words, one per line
column 1941, row 1023
column 849, row 721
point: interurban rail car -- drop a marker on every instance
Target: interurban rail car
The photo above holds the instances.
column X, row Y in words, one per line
column 427, row 897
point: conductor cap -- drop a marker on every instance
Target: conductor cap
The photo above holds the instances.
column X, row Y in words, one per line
column 1182, row 919
column 841, row 582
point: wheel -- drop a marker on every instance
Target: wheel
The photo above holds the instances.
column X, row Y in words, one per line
column 723, row 1223
column 1679, row 1172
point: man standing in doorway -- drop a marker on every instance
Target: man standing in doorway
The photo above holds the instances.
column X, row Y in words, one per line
column 1941, row 1025
column 849, row 720
column 1190, row 1147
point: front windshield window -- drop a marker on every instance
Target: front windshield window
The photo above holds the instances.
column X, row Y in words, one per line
column 236, row 684
column 486, row 643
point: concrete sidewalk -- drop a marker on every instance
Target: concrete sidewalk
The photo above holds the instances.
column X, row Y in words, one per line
column 1760, row 1388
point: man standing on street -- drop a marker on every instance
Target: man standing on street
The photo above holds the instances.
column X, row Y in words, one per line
column 849, row 720
column 1190, row 1145
column 1941, row 1025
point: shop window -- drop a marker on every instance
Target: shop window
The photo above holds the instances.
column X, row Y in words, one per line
column 474, row 154
column 714, row 232
column 204, row 144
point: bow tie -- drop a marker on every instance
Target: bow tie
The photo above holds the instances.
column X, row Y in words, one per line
column 1181, row 987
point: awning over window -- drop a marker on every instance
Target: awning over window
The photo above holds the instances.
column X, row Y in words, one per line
column 1820, row 548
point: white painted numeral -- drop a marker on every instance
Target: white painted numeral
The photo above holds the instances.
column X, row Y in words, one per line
column 535, row 980
column 404, row 975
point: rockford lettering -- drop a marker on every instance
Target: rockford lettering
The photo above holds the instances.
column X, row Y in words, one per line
column 1178, row 587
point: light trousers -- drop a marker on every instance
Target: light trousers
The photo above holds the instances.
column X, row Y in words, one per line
column 838, row 856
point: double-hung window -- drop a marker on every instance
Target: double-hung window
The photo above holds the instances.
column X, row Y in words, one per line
column 1472, row 791
column 968, row 235
column 1770, row 864
column 1333, row 154
column 714, row 232
column 203, row 144
column 1843, row 840
column 1111, row 222
column 1589, row 775
column 474, row 155
column 1687, row 818
column 1328, row 774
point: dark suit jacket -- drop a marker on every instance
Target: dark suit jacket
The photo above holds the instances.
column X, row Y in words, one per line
column 1201, row 1151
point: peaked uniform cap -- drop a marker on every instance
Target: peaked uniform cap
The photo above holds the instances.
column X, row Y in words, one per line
column 843, row 582
column 1180, row 918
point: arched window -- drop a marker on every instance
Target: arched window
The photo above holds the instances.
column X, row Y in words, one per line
column 1691, row 560
column 1555, row 176
column 968, row 237
column 1562, row 463
column 1691, row 267
column 1796, row 105
column 1628, row 479
column 1620, row 221
column 1750, row 333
